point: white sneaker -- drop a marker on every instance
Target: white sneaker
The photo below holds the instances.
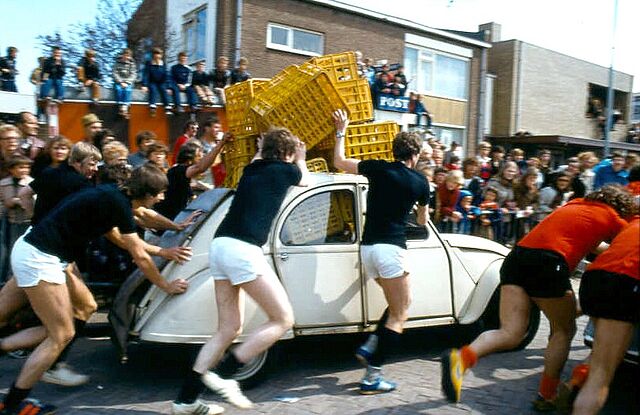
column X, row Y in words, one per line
column 228, row 389
column 63, row 375
column 196, row 408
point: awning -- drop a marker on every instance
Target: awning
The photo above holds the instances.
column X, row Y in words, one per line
column 564, row 141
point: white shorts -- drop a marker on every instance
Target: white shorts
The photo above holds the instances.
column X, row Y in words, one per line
column 383, row 260
column 237, row 261
column 30, row 265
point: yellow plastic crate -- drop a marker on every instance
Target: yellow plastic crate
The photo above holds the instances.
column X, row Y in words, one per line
column 240, row 119
column 234, row 170
column 317, row 165
column 369, row 141
column 242, row 147
column 303, row 100
column 357, row 95
column 340, row 66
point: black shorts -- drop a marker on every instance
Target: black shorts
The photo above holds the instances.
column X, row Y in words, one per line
column 609, row 295
column 541, row 273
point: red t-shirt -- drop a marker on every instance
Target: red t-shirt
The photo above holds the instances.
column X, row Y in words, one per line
column 176, row 147
column 623, row 256
column 575, row 229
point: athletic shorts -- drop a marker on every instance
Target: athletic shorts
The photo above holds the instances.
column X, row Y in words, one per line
column 383, row 260
column 609, row 295
column 237, row 261
column 30, row 265
column 540, row 272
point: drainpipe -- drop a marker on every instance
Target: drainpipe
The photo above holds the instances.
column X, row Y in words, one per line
column 519, row 50
column 481, row 96
column 238, row 29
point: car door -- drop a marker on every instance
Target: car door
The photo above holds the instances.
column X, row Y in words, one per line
column 315, row 252
column 430, row 277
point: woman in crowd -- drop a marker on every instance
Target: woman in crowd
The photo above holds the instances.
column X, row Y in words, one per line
column 587, row 160
column 554, row 195
column 55, row 152
column 526, row 196
column 504, row 182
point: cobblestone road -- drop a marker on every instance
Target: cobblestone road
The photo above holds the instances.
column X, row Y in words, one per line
column 323, row 375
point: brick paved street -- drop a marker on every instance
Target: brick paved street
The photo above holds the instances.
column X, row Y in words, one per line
column 323, row 375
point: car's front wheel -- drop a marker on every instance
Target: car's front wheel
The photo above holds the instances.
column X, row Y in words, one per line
column 490, row 320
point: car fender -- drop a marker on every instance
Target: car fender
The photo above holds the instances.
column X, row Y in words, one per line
column 479, row 299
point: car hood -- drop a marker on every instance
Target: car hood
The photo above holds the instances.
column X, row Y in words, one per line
column 474, row 242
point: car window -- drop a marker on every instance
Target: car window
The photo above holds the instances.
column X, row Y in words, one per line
column 324, row 218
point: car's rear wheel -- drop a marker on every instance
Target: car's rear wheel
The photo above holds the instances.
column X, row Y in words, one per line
column 490, row 320
column 254, row 372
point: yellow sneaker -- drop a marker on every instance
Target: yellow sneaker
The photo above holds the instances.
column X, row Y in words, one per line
column 452, row 372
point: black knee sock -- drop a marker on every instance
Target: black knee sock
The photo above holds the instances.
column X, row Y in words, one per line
column 79, row 328
column 15, row 396
column 383, row 321
column 228, row 365
column 191, row 388
column 387, row 341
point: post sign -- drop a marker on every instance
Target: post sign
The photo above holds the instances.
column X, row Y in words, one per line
column 388, row 102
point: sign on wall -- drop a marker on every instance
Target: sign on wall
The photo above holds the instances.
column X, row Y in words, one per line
column 389, row 102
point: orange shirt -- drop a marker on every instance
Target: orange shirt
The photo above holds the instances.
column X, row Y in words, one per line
column 575, row 229
column 623, row 256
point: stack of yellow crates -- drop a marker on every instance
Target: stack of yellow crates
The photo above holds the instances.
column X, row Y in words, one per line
column 303, row 99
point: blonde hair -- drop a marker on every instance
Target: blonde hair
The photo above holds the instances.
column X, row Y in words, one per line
column 113, row 151
column 82, row 151
column 5, row 128
column 455, row 176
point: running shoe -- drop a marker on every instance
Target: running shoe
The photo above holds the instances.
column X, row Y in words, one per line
column 228, row 389
column 544, row 405
column 567, row 395
column 451, row 374
column 62, row 374
column 196, row 408
column 31, row 407
column 19, row 354
column 376, row 386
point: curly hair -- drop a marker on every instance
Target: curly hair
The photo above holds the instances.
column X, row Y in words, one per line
column 114, row 151
column 278, row 143
column 615, row 196
column 406, row 145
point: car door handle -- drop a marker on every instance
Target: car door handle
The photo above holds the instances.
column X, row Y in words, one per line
column 283, row 256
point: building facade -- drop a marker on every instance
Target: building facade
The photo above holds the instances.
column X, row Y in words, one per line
column 445, row 67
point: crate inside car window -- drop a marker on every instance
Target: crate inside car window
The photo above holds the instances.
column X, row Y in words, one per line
column 372, row 141
column 317, row 165
column 340, row 66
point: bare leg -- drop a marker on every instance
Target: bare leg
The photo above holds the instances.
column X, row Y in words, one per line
column 268, row 293
column 24, row 339
column 561, row 313
column 52, row 305
column 514, row 319
column 611, row 340
column 230, row 302
column 84, row 304
column 398, row 294
column 12, row 299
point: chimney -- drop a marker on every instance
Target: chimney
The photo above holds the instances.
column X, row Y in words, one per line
column 491, row 31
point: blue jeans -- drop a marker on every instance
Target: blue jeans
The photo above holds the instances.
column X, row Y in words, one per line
column 9, row 86
column 123, row 95
column 58, row 88
column 192, row 97
column 154, row 90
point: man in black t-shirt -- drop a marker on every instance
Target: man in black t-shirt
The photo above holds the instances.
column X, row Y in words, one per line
column 40, row 257
column 394, row 189
column 237, row 262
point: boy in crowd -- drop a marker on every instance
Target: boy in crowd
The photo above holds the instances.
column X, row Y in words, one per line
column 238, row 264
column 240, row 73
column 53, row 70
column 200, row 82
column 125, row 73
column 181, row 82
column 154, row 80
column 8, row 70
column 89, row 74
column 220, row 77
column 143, row 140
column 383, row 249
